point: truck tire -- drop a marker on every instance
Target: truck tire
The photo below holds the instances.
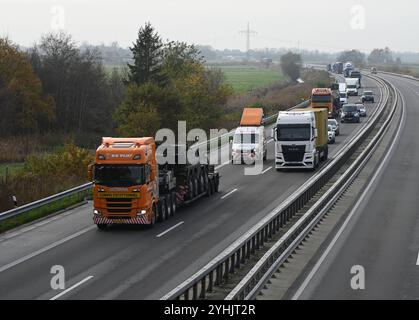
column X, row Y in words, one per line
column 174, row 203
column 216, row 184
column 195, row 187
column 153, row 216
column 162, row 210
column 190, row 190
column 169, row 206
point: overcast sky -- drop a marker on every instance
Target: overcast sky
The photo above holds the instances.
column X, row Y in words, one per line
column 325, row 25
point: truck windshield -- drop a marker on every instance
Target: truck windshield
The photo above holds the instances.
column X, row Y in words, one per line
column 321, row 99
column 352, row 86
column 119, row 175
column 343, row 95
column 246, row 138
column 293, row 132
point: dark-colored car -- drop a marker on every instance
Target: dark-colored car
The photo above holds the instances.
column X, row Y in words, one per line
column 350, row 113
column 368, row 96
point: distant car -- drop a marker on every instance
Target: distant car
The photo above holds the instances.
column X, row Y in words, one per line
column 368, row 96
column 374, row 70
column 335, row 126
column 361, row 109
column 331, row 138
column 350, row 113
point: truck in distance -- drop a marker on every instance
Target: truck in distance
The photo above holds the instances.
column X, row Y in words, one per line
column 249, row 142
column 353, row 85
column 301, row 138
column 130, row 187
column 325, row 98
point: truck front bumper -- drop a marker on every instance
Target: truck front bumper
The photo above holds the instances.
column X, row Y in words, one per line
column 137, row 220
column 307, row 163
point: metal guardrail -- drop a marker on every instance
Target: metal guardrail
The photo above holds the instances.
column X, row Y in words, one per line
column 44, row 202
column 257, row 277
column 225, row 264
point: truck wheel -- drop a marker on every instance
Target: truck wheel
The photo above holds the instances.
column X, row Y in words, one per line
column 190, row 190
column 153, row 216
column 174, row 203
column 216, row 185
column 162, row 210
column 102, row 226
column 195, row 188
column 169, row 207
column 202, row 184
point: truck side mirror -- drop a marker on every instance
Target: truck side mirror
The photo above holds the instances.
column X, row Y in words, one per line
column 230, row 139
column 90, row 168
column 315, row 133
column 273, row 133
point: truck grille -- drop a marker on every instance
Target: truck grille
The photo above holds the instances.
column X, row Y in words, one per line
column 119, row 206
column 294, row 153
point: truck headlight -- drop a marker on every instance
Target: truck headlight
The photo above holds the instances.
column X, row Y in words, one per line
column 97, row 212
column 141, row 212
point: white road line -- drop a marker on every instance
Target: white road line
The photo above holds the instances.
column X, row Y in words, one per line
column 266, row 170
column 228, row 194
column 71, row 288
column 40, row 251
column 417, row 260
column 316, row 267
column 170, row 229
column 222, row 165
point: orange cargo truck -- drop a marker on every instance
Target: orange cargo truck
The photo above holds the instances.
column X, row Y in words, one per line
column 130, row 187
column 325, row 98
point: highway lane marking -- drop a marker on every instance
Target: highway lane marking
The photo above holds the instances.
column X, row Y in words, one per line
column 170, row 229
column 417, row 260
column 71, row 288
column 266, row 170
column 49, row 247
column 316, row 267
column 222, row 165
column 228, row 194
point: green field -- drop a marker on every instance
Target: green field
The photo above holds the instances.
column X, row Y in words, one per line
column 245, row 78
column 12, row 168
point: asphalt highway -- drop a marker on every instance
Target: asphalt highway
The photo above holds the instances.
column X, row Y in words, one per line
column 382, row 236
column 139, row 263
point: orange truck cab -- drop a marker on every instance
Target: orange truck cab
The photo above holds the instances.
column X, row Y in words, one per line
column 322, row 98
column 130, row 187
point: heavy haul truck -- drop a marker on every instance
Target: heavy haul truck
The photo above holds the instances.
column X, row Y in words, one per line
column 130, row 187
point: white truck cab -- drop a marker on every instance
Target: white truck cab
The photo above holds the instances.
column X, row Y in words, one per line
column 300, row 139
column 249, row 144
column 352, row 86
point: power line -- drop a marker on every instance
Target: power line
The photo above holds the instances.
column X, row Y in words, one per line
column 248, row 32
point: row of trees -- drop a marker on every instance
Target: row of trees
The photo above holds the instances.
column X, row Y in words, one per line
column 377, row 57
column 56, row 87
column 168, row 82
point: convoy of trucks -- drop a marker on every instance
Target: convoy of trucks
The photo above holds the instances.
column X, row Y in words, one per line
column 249, row 141
column 130, row 187
column 301, row 138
